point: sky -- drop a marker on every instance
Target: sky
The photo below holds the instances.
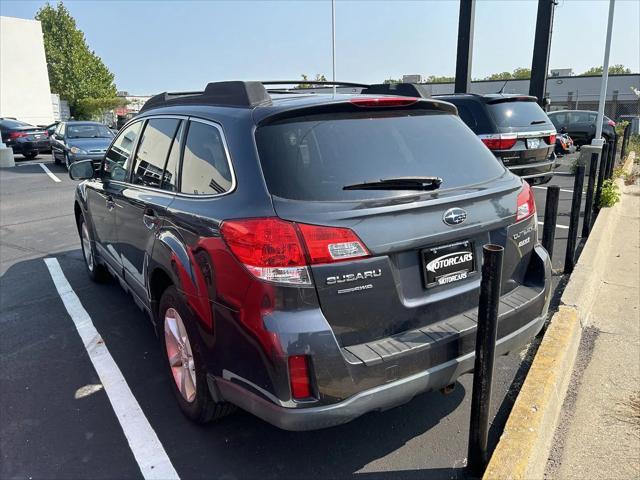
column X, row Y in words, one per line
column 154, row 46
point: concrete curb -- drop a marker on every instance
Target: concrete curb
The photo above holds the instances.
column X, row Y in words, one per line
column 525, row 444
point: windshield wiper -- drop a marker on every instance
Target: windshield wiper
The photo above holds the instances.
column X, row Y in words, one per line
column 398, row 183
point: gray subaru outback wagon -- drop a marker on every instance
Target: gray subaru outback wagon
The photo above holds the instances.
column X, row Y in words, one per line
column 309, row 257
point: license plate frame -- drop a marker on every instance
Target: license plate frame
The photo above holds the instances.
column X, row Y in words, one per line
column 533, row 143
column 457, row 262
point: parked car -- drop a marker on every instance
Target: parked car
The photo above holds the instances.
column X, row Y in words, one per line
column 309, row 258
column 514, row 128
column 79, row 140
column 23, row 138
column 581, row 125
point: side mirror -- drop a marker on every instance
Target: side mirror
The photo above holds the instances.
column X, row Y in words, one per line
column 81, row 170
column 563, row 130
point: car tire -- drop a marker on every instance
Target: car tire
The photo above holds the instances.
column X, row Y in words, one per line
column 66, row 161
column 187, row 370
column 30, row 155
column 97, row 272
column 56, row 160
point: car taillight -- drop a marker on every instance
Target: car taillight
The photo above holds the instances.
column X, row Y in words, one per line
column 526, row 203
column 17, row 134
column 331, row 244
column 501, row 141
column 611, row 123
column 551, row 139
column 299, row 377
column 279, row 251
column 383, row 101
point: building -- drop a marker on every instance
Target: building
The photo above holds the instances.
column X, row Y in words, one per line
column 133, row 105
column 24, row 80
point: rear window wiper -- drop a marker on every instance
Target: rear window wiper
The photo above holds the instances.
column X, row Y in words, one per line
column 536, row 122
column 398, row 183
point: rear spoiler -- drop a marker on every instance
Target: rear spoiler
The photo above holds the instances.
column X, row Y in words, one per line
column 512, row 98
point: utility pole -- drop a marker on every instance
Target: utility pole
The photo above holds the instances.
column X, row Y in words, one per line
column 541, row 49
column 465, row 46
column 597, row 140
column 333, row 42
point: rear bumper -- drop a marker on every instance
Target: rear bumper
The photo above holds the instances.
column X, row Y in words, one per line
column 375, row 399
column 424, row 359
column 532, row 170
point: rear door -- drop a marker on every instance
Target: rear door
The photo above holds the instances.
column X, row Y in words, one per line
column 424, row 246
column 142, row 203
column 582, row 126
column 57, row 142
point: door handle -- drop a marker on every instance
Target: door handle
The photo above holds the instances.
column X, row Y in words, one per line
column 149, row 218
column 110, row 203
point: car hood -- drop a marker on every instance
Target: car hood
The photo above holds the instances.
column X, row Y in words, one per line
column 89, row 143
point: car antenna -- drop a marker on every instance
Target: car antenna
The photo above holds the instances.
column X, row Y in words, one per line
column 504, row 85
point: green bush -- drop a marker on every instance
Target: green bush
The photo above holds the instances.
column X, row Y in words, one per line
column 610, row 194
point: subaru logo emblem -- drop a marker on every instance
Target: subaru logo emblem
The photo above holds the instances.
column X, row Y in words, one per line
column 454, row 216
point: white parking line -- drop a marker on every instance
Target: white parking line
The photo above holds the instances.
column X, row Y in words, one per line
column 557, row 226
column 48, row 172
column 143, row 441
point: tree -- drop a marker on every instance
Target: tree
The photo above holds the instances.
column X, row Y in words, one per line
column 617, row 69
column 520, row 73
column 499, row 76
column 442, row 79
column 76, row 73
column 305, row 78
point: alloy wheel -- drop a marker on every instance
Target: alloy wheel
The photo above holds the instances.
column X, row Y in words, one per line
column 86, row 247
column 180, row 354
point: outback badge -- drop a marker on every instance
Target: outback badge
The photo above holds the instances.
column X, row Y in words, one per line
column 454, row 216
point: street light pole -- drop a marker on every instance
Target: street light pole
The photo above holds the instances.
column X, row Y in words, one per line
column 597, row 140
column 333, row 42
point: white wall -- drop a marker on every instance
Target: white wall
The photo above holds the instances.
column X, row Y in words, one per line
column 24, row 80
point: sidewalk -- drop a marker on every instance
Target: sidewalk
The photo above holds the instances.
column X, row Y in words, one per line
column 598, row 436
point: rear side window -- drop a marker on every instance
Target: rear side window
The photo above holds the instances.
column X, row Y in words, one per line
column 153, row 151
column 518, row 114
column 116, row 161
column 314, row 157
column 205, row 166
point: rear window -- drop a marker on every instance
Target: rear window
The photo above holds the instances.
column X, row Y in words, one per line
column 517, row 114
column 314, row 157
column 14, row 124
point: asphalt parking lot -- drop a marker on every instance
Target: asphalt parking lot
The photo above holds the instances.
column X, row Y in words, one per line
column 56, row 420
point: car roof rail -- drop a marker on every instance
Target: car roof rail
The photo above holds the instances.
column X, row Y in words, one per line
column 224, row 94
column 401, row 89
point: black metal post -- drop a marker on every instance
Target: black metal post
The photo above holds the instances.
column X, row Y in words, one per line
column 569, row 258
column 591, row 184
column 550, row 218
column 601, row 171
column 490, row 285
column 612, row 158
column 541, row 48
column 625, row 141
column 465, row 46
